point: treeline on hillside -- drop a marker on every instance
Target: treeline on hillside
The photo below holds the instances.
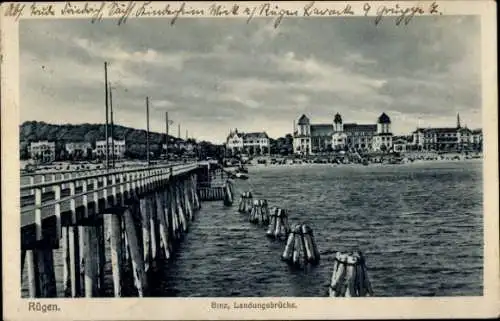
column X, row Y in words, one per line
column 135, row 139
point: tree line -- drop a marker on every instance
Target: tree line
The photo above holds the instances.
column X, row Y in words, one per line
column 135, row 140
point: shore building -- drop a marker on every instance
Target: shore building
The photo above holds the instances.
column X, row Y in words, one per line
column 81, row 148
column 256, row 143
column 119, row 147
column 43, row 151
column 310, row 139
column 458, row 138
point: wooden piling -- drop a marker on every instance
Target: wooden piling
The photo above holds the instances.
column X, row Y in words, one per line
column 112, row 221
column 74, row 252
column 349, row 276
column 152, row 225
column 46, row 275
column 83, row 243
column 146, row 239
column 66, row 261
column 173, row 214
column 168, row 218
column 160, row 213
column 187, row 202
column 135, row 254
column 180, row 210
column 32, row 274
column 101, row 253
column 90, row 262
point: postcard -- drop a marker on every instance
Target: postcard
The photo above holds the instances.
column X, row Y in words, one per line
column 249, row 160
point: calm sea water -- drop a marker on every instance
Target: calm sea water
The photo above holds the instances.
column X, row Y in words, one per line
column 419, row 225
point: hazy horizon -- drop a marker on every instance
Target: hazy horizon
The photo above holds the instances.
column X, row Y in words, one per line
column 214, row 75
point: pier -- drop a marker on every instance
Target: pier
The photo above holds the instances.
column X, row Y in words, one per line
column 138, row 215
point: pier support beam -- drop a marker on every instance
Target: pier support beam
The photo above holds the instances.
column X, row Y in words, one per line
column 146, row 238
column 66, row 261
column 160, row 212
column 113, row 224
column 151, row 208
column 74, row 259
column 136, row 255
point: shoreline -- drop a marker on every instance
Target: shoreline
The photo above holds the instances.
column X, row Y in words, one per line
column 440, row 161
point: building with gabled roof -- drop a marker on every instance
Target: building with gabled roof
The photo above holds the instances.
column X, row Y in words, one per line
column 253, row 143
column 446, row 138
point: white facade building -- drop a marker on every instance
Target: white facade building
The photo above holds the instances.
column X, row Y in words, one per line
column 249, row 143
column 302, row 137
column 310, row 139
column 44, row 151
column 76, row 147
column 119, row 147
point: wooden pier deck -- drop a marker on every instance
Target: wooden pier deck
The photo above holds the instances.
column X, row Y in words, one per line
column 141, row 212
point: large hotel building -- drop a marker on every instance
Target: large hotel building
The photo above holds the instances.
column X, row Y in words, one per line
column 310, row 139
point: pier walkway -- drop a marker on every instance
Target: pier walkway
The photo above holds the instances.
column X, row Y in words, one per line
column 141, row 213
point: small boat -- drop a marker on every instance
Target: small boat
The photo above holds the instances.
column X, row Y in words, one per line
column 241, row 175
column 365, row 162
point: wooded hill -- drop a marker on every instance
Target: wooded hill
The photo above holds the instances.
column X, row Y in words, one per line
column 135, row 139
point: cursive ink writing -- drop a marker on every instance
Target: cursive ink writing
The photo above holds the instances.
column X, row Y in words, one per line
column 146, row 10
column 121, row 10
column 15, row 10
column 42, row 10
column 266, row 10
column 311, row 10
column 218, row 10
column 250, row 13
column 403, row 15
column 95, row 10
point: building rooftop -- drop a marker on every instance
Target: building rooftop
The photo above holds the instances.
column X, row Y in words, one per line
column 255, row 135
column 359, row 128
column 303, row 120
column 384, row 119
column 321, row 130
column 442, row 129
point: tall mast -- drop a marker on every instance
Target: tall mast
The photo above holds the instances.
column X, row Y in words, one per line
column 112, row 127
column 106, row 102
column 166, row 137
column 147, row 125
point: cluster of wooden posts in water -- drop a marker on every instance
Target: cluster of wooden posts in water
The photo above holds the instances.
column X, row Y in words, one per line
column 142, row 215
column 349, row 276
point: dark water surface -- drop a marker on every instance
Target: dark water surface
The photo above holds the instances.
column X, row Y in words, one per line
column 420, row 226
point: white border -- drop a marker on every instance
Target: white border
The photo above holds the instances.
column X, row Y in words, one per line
column 317, row 308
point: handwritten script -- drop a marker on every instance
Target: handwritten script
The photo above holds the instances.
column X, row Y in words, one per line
column 122, row 11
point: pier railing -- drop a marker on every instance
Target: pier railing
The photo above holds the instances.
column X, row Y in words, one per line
column 68, row 200
column 42, row 176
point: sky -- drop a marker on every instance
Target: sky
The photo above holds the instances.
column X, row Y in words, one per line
column 214, row 75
